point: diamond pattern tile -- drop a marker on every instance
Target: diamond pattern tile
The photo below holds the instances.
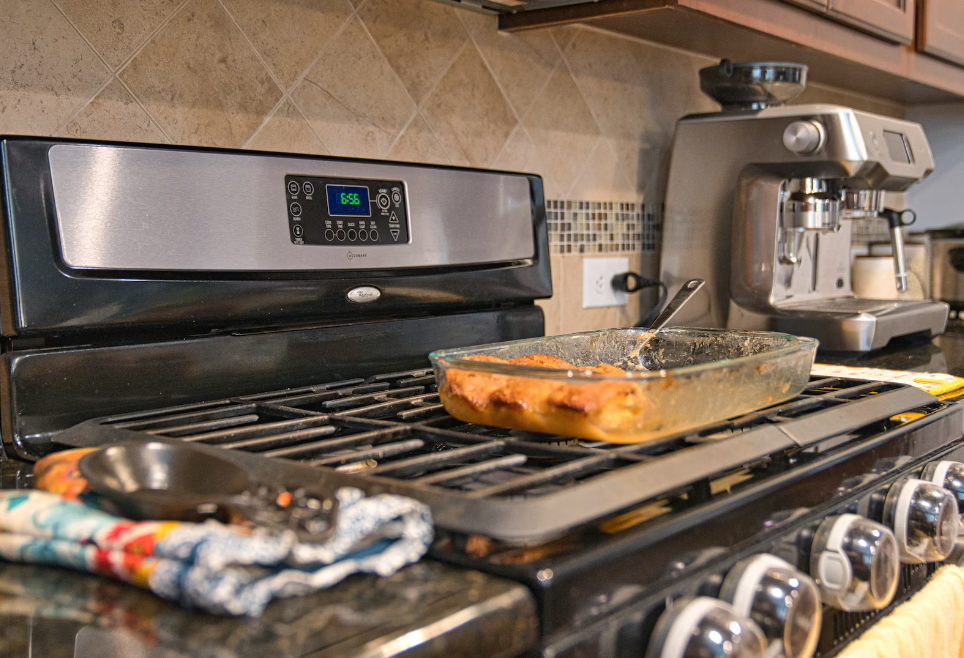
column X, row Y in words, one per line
column 201, row 80
column 47, row 72
column 522, row 62
column 287, row 131
column 468, row 112
column 117, row 27
column 114, row 115
column 562, row 128
column 289, row 34
column 419, row 39
column 352, row 98
column 418, row 144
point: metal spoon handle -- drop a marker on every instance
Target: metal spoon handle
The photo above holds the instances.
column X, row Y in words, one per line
column 676, row 303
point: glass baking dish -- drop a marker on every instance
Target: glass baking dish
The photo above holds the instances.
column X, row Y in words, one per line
column 689, row 378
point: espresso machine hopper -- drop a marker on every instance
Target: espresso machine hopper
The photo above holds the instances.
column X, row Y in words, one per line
column 757, row 204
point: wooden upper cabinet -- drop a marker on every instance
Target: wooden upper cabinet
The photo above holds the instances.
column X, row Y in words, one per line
column 940, row 29
column 891, row 19
column 815, row 5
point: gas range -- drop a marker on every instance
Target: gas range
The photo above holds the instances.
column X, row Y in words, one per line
column 196, row 295
column 598, row 532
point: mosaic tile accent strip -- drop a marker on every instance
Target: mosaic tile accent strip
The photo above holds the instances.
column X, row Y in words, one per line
column 602, row 227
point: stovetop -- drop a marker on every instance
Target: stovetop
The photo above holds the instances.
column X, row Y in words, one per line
column 588, row 526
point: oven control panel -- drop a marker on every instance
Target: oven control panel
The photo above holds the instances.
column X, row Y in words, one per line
column 345, row 211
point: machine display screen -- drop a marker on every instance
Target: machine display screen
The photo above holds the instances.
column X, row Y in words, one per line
column 348, row 201
column 897, row 147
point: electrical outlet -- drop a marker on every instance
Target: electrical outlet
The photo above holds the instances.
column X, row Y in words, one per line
column 597, row 276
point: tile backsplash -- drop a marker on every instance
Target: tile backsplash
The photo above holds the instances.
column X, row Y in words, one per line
column 414, row 80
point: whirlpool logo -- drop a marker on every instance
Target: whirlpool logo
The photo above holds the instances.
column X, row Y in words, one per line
column 352, row 255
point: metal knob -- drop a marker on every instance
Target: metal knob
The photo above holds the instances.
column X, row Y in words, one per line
column 804, row 137
column 855, row 562
column 925, row 520
column 783, row 602
column 695, row 628
column 950, row 475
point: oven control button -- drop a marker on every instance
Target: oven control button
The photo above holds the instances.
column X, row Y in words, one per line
column 950, row 475
column 693, row 628
column 329, row 235
column 363, row 294
column 295, row 209
column 396, row 197
column 382, row 201
column 340, row 234
column 374, row 235
column 352, row 235
column 363, row 235
column 925, row 520
column 783, row 602
column 308, row 188
column 298, row 230
column 293, row 187
column 855, row 563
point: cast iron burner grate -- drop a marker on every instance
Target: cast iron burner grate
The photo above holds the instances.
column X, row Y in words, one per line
column 390, row 433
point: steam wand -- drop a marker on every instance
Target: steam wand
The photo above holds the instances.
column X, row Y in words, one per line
column 897, row 219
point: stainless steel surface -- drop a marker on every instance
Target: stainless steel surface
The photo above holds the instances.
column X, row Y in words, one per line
column 900, row 266
column 720, row 161
column 750, row 212
column 804, row 137
column 682, row 296
column 849, row 323
column 753, row 85
column 860, row 204
column 132, row 208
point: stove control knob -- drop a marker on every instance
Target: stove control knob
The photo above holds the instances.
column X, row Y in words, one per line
column 949, row 475
column 783, row 602
column 693, row 628
column 855, row 563
column 804, row 137
column 925, row 520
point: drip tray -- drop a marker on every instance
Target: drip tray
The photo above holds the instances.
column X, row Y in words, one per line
column 389, row 433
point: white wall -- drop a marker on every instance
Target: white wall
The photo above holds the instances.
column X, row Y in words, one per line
column 937, row 199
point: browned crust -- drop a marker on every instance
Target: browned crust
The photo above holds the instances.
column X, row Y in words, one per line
column 593, row 410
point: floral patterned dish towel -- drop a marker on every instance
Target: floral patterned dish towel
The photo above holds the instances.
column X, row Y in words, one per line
column 223, row 569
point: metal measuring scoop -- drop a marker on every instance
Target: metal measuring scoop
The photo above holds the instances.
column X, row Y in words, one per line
column 687, row 290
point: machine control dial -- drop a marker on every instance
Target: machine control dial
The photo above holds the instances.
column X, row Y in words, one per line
column 950, row 475
column 855, row 562
column 702, row 626
column 784, row 603
column 804, row 137
column 925, row 520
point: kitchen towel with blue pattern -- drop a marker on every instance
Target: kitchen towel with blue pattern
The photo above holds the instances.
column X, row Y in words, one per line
column 223, row 569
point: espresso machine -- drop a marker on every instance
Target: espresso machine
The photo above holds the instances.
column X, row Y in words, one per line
column 758, row 201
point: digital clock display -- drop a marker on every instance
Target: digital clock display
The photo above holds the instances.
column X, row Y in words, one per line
column 348, row 201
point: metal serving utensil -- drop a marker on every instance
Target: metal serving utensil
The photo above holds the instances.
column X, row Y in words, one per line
column 686, row 291
column 156, row 480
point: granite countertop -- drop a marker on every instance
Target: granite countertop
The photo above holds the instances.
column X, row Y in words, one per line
column 428, row 609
